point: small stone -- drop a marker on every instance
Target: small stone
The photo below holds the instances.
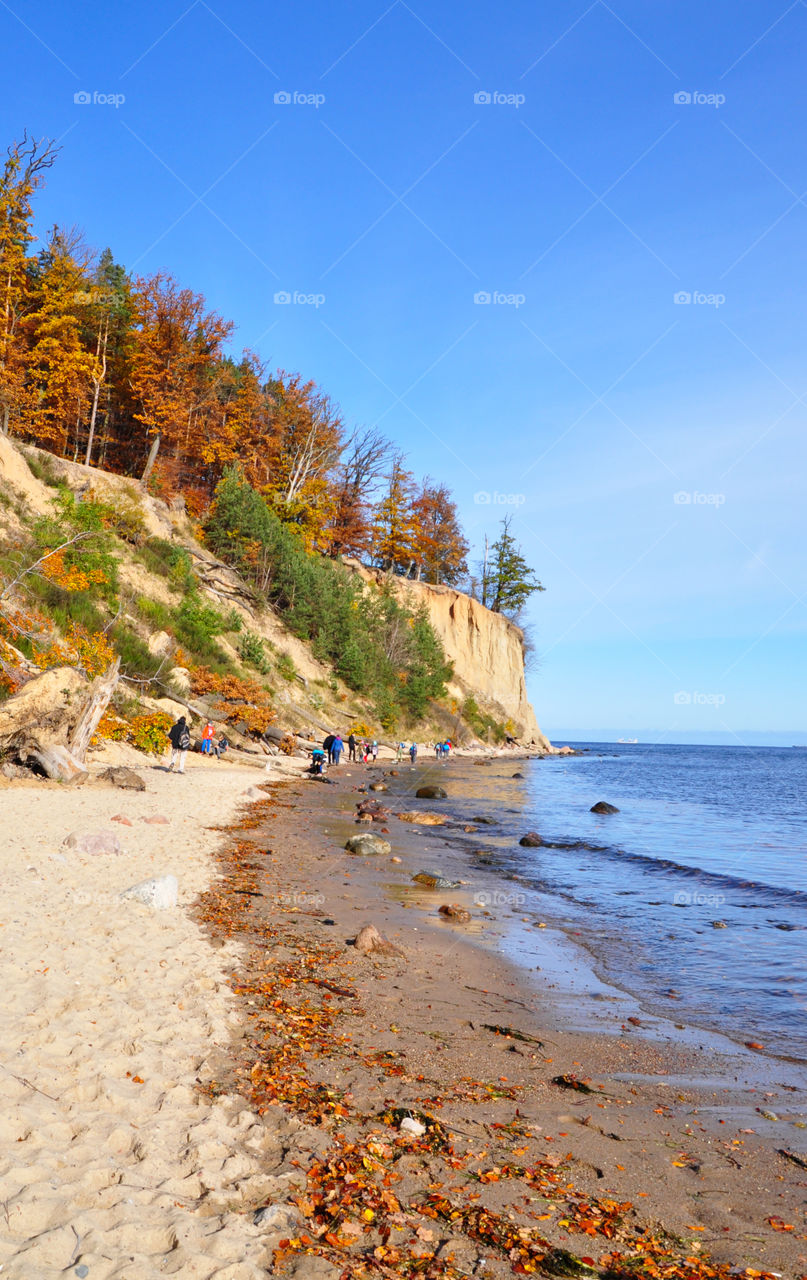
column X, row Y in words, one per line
column 157, row 820
column 410, row 1125
column 431, row 793
column 278, row 1217
column 378, row 786
column 719, row 924
column 119, row 817
column 602, row 806
column 531, row 840
column 456, row 913
column 124, row 777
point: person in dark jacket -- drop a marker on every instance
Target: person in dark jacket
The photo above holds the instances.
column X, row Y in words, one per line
column 327, row 745
column 179, row 735
column 351, row 747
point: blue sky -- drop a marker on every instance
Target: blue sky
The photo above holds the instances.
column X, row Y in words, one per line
column 434, row 152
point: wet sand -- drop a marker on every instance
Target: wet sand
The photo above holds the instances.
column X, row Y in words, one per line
column 663, row 1122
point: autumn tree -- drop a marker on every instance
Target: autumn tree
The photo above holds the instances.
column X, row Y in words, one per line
column 394, row 544
column 107, row 319
column 59, row 365
column 355, row 483
column 441, row 545
column 507, row 580
column 23, row 172
column 308, row 438
column 175, row 339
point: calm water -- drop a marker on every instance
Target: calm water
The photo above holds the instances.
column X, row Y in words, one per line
column 704, row 834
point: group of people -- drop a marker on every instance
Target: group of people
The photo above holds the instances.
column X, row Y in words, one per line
column 179, row 735
column 413, row 752
column 442, row 749
column 334, row 745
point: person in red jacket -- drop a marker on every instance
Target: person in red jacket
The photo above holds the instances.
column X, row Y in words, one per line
column 207, row 739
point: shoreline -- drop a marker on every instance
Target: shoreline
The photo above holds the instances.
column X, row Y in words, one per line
column 137, row 1142
column 430, row 1030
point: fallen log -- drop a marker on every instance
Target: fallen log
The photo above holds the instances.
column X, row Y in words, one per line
column 51, row 720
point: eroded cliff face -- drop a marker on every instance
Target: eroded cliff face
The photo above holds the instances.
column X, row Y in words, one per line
column 485, row 648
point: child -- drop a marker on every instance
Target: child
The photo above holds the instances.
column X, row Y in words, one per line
column 207, row 739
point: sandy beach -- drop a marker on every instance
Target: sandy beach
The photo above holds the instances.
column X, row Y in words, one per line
column 167, row 1073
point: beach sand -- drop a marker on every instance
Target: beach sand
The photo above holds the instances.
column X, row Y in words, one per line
column 112, row 1163
column 136, row 1141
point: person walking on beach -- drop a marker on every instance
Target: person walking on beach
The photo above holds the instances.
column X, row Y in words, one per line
column 351, row 747
column 180, row 738
column 337, row 748
column 327, row 746
column 375, row 750
column 207, row 739
column 400, row 751
column 413, row 752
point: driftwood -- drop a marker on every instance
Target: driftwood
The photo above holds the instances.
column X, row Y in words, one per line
column 51, row 720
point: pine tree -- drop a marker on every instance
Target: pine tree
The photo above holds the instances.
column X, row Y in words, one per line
column 507, row 580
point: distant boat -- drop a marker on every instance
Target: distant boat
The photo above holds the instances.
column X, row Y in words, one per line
column 627, row 740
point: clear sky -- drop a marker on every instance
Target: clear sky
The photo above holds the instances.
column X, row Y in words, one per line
column 581, row 165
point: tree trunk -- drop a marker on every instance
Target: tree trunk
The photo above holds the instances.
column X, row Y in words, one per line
column 58, row 763
column 152, row 458
column 88, row 721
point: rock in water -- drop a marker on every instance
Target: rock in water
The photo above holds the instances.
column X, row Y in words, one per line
column 378, row 786
column 123, row 777
column 431, row 793
column 432, row 880
column 456, row 913
column 423, row 819
column 518, row 775
column 531, row 840
column 159, row 893
column 602, row 806
column 367, row 844
column 370, row 942
column 93, row 842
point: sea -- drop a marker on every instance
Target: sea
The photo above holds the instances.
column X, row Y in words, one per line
column 692, row 898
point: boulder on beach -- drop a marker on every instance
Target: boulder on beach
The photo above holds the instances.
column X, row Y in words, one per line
column 93, row 842
column 531, row 840
column 369, row 942
column 366, row 845
column 433, row 880
column 602, row 806
column 123, row 777
column 431, row 793
column 378, row 786
column 160, row 892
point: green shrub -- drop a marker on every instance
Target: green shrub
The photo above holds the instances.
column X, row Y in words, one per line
column 251, row 651
column 483, row 724
column 155, row 612
column 286, row 667
column 169, row 561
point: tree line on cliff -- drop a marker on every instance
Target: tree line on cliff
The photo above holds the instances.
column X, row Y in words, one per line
column 134, row 374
